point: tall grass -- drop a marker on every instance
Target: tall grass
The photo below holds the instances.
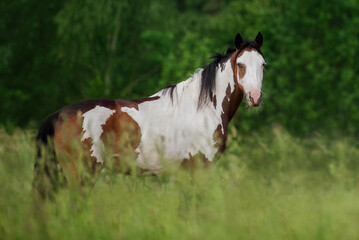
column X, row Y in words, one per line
column 268, row 185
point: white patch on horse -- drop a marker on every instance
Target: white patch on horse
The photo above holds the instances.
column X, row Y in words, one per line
column 253, row 61
column 174, row 129
column 92, row 127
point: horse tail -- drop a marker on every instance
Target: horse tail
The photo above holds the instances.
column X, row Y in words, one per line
column 48, row 176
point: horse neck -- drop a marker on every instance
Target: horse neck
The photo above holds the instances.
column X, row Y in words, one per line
column 228, row 94
column 226, row 98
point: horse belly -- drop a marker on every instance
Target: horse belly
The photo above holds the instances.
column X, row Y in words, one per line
column 163, row 147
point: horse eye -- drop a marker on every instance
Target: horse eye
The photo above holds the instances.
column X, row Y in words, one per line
column 264, row 64
column 239, row 65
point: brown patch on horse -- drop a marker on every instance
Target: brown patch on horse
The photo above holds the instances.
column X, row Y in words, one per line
column 241, row 71
column 220, row 134
column 141, row 100
column 235, row 100
column 220, row 138
column 234, row 65
column 214, row 100
column 230, row 105
column 121, row 135
column 67, row 141
column 195, row 161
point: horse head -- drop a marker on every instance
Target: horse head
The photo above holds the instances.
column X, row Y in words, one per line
column 248, row 65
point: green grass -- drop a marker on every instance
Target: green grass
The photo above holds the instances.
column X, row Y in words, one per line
column 268, row 185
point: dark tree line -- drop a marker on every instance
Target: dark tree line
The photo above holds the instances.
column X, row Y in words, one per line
column 54, row 53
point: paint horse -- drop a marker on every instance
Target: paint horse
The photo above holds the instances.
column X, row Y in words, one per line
column 174, row 126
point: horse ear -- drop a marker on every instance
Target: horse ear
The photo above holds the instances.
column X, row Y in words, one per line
column 259, row 40
column 238, row 42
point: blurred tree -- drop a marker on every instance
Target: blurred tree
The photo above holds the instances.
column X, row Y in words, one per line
column 58, row 52
column 27, row 72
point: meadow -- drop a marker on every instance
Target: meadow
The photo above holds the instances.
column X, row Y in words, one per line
column 267, row 185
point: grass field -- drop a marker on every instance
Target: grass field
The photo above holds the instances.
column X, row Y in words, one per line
column 268, row 185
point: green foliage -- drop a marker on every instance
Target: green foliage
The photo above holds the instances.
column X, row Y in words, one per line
column 266, row 186
column 57, row 52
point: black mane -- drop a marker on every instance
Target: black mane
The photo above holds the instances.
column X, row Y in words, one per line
column 169, row 89
column 208, row 80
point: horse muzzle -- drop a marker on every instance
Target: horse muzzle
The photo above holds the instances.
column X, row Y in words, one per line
column 254, row 98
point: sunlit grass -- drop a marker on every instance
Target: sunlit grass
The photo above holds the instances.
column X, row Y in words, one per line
column 268, row 185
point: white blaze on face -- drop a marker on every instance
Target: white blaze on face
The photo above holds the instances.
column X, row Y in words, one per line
column 253, row 63
column 92, row 127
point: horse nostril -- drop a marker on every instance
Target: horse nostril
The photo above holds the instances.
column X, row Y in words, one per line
column 260, row 98
column 250, row 98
